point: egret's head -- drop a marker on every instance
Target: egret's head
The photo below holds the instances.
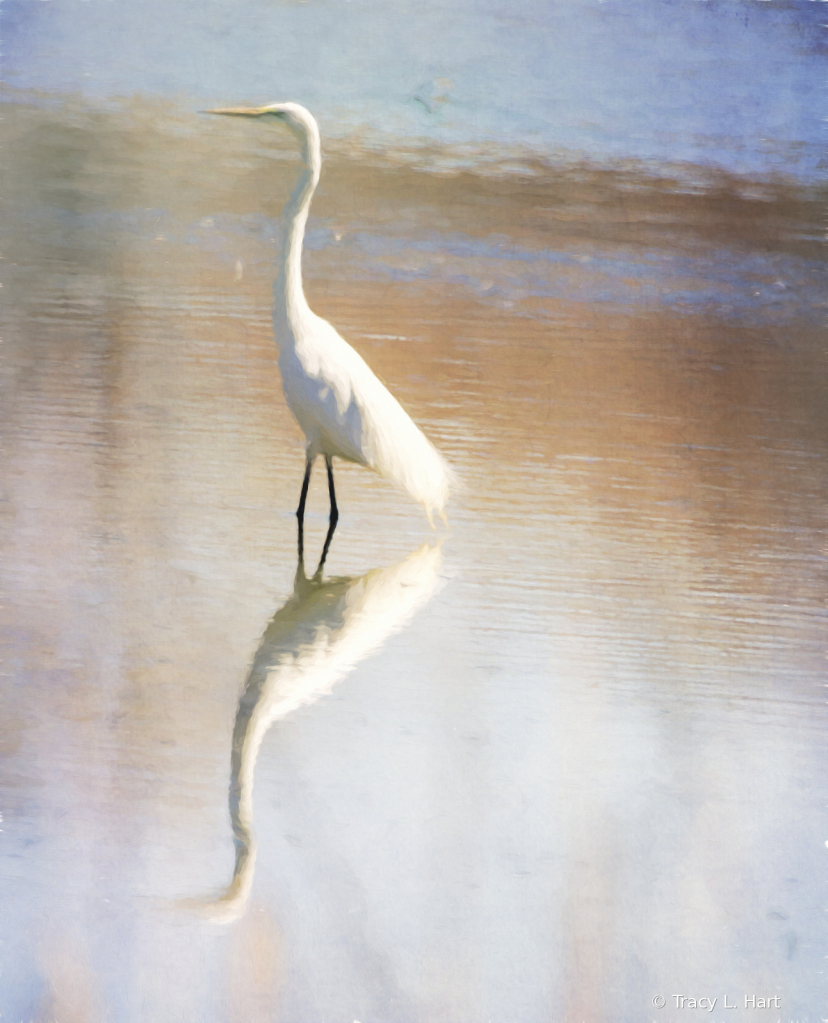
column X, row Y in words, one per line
column 300, row 121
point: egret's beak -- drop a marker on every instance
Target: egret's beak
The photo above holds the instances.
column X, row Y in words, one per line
column 239, row 111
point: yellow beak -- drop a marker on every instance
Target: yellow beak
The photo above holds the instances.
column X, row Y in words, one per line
column 238, row 111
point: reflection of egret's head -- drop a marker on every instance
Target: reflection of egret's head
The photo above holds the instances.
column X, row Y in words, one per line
column 310, row 644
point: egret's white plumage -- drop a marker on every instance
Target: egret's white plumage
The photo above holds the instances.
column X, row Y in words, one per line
column 343, row 409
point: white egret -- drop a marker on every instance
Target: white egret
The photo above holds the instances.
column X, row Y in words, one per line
column 343, row 409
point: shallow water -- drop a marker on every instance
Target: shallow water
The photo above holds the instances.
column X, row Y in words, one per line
column 571, row 758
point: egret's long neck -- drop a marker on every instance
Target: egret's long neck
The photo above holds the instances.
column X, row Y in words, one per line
column 287, row 289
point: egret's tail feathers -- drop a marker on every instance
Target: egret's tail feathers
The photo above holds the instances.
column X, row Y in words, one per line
column 401, row 452
column 380, row 432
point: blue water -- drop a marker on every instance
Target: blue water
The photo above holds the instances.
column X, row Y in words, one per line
column 736, row 85
column 749, row 287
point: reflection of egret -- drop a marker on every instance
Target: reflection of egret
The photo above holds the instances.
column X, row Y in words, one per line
column 342, row 407
column 321, row 633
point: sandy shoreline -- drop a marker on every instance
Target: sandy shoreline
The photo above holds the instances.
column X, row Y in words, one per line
column 114, row 151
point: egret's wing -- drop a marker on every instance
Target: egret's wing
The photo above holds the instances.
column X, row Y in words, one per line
column 356, row 411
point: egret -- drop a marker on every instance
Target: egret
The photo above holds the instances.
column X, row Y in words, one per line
column 343, row 409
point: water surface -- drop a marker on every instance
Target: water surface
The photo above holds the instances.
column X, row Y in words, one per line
column 584, row 767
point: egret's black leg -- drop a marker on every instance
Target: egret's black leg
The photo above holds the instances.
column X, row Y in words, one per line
column 332, row 493
column 300, row 511
column 334, row 515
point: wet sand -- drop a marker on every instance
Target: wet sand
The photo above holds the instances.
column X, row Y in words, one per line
column 589, row 769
